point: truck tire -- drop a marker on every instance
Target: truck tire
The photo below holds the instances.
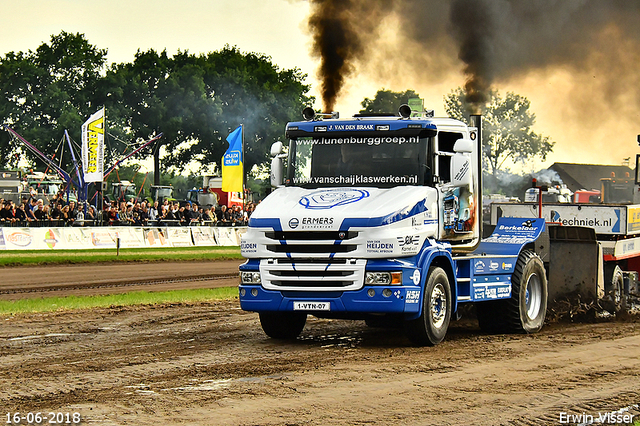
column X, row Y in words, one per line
column 527, row 307
column 615, row 300
column 283, row 325
column 432, row 324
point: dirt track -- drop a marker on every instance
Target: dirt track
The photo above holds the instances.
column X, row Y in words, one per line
column 210, row 364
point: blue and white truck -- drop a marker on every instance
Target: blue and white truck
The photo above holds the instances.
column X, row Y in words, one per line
column 378, row 218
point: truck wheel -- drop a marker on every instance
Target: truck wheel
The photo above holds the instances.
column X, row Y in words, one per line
column 615, row 298
column 431, row 327
column 527, row 307
column 283, row 325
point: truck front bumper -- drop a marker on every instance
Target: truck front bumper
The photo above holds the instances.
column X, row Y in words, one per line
column 369, row 299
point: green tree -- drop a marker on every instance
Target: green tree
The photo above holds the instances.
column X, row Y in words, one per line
column 197, row 100
column 506, row 127
column 46, row 92
column 387, row 101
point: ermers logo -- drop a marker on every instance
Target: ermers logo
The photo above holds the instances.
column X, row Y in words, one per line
column 314, row 223
column 293, row 223
column 330, row 198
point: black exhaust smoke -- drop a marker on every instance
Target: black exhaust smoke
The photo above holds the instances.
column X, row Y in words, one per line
column 495, row 40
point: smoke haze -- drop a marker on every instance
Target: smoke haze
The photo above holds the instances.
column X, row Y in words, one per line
column 492, row 41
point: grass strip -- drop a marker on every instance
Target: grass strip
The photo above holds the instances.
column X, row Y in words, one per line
column 48, row 257
column 52, row 304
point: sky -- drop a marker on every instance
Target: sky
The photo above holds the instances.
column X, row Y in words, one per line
column 278, row 28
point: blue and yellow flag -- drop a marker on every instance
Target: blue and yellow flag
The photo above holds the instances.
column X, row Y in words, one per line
column 232, row 170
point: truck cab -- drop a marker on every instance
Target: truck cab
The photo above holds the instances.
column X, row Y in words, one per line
column 378, row 218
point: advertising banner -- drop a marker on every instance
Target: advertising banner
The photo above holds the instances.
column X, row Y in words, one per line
column 179, row 237
column 155, row 237
column 93, row 147
column 63, row 238
column 202, row 236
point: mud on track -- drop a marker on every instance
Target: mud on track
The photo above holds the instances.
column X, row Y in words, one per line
column 210, row 364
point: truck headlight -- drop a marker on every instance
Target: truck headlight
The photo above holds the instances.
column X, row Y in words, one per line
column 383, row 278
column 250, row 277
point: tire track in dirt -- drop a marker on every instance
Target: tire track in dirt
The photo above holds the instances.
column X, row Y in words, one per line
column 209, row 363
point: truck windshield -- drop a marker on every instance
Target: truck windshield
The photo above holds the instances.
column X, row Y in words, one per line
column 371, row 162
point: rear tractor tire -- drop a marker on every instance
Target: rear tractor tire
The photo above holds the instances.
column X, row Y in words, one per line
column 282, row 325
column 525, row 311
column 527, row 308
column 615, row 299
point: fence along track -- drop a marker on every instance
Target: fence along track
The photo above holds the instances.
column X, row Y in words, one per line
column 5, row 290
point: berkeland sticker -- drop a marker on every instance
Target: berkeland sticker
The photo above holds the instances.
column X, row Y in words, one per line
column 50, row 239
column 416, row 277
column 330, row 198
column 413, row 296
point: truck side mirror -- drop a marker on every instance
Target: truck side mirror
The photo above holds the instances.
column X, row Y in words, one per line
column 277, row 164
column 276, row 149
column 463, row 145
column 461, row 171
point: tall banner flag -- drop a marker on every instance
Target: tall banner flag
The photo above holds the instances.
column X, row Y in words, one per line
column 93, row 147
column 232, row 171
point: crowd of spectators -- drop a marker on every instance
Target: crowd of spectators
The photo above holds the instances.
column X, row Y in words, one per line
column 57, row 212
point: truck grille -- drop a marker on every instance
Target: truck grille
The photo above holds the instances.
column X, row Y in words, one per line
column 311, row 243
column 312, row 274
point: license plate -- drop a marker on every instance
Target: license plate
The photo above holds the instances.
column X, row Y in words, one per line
column 311, row 306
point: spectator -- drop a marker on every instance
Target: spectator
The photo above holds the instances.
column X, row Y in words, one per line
column 112, row 215
column 224, row 216
column 153, row 212
column 7, row 214
column 180, row 215
column 38, row 210
column 56, row 212
column 143, row 215
column 170, row 217
column 196, row 214
column 125, row 215
column 236, row 215
column 162, row 216
column 20, row 214
column 208, row 216
column 64, row 215
column 79, row 219
column 91, row 215
column 71, row 213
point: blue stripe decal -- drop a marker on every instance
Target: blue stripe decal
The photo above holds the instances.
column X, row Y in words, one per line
column 370, row 222
column 273, row 223
column 616, row 226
